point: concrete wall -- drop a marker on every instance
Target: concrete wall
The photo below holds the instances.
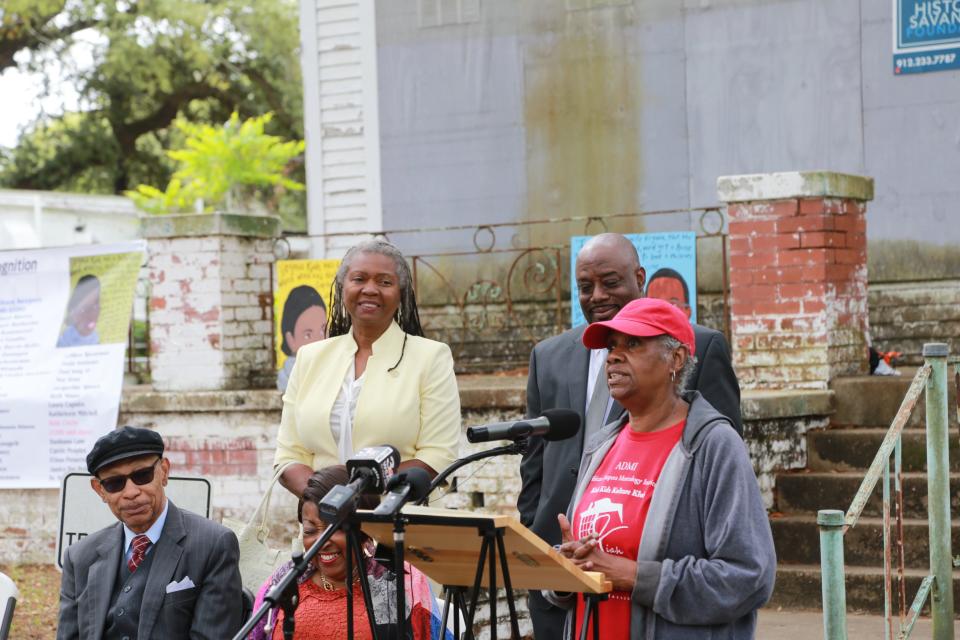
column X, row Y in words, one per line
column 905, row 315
column 509, row 111
column 229, row 437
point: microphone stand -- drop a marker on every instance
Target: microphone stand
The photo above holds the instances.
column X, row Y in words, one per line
column 356, row 553
column 518, row 447
column 399, row 533
column 403, row 628
column 285, row 593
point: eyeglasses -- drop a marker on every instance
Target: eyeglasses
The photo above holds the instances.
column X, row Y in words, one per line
column 140, row 477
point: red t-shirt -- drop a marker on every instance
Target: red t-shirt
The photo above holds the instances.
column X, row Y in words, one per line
column 615, row 506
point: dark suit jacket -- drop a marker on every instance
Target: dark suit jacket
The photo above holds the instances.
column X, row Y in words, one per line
column 558, row 380
column 188, row 546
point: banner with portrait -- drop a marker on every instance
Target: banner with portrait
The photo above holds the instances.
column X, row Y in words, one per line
column 300, row 304
column 64, row 319
column 670, row 262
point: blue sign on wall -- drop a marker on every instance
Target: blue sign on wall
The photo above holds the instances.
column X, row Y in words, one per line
column 670, row 260
column 926, row 35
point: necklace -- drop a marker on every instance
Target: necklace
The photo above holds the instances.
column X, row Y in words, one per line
column 329, row 586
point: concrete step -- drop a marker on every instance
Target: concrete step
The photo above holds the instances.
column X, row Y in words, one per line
column 848, row 449
column 873, row 401
column 798, row 587
column 807, row 492
column 797, row 540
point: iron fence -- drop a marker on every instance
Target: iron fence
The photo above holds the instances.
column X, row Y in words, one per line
column 493, row 290
column 491, row 295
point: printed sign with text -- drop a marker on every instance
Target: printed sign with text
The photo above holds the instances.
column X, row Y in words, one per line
column 926, row 35
column 64, row 316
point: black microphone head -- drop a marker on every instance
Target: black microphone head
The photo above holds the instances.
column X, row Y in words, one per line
column 419, row 481
column 417, row 478
column 564, row 423
column 380, row 462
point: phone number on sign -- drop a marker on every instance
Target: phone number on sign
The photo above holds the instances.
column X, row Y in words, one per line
column 926, row 61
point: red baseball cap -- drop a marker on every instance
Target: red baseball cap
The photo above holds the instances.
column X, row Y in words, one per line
column 644, row 317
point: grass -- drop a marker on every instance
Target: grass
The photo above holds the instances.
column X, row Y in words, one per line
column 35, row 617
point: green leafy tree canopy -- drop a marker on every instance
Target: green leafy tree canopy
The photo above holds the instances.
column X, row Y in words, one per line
column 222, row 167
column 151, row 62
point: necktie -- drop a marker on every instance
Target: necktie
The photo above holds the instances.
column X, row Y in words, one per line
column 597, row 409
column 140, row 545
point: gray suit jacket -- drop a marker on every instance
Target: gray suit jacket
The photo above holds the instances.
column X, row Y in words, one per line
column 558, row 379
column 188, row 546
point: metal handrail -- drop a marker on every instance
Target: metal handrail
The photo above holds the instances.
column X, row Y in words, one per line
column 882, row 460
column 833, row 524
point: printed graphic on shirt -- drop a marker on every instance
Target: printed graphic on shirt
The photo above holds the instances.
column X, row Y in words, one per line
column 607, row 516
column 614, row 508
column 601, row 518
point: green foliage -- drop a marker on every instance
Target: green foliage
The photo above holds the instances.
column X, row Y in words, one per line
column 222, row 167
column 153, row 62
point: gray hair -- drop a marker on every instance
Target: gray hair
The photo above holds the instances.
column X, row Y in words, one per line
column 380, row 247
column 407, row 316
column 669, row 345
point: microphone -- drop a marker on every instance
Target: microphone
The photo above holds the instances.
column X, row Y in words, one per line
column 370, row 470
column 407, row 486
column 554, row 424
column 381, row 462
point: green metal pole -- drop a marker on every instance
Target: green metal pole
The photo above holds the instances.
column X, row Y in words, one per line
column 833, row 589
column 938, row 491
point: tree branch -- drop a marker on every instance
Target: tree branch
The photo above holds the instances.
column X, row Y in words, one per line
column 12, row 42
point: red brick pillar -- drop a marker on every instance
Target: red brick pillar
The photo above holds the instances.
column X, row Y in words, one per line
column 798, row 277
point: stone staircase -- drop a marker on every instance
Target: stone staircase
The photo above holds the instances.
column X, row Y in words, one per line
column 838, row 458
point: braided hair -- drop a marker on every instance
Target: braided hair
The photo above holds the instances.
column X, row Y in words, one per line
column 406, row 316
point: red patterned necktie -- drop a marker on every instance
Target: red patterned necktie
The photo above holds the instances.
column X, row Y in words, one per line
column 140, row 545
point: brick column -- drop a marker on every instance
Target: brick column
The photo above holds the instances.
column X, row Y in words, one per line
column 210, row 305
column 798, row 277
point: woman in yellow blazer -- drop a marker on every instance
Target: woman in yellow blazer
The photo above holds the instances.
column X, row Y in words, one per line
column 375, row 381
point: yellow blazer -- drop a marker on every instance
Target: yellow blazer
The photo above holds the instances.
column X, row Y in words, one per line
column 415, row 407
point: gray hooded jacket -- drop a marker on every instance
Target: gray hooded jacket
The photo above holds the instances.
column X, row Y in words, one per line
column 706, row 560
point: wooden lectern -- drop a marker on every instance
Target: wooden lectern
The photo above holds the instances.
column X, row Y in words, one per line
column 440, row 543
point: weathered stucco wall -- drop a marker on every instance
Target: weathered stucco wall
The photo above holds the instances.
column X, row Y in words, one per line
column 521, row 110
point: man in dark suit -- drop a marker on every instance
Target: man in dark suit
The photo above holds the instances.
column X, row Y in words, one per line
column 160, row 572
column 565, row 374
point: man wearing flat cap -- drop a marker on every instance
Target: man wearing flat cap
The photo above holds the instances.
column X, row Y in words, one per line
column 160, row 572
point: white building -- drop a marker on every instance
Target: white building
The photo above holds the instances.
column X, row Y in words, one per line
column 31, row 219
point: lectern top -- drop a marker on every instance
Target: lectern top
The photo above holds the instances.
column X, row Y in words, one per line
column 445, row 545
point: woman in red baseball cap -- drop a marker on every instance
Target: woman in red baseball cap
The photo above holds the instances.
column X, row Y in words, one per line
column 667, row 504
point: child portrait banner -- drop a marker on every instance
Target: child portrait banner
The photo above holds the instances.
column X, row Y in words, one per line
column 301, row 300
column 64, row 318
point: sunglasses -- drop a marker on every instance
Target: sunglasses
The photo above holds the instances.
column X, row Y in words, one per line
column 140, row 477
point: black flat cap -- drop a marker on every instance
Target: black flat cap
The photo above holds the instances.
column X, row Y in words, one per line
column 125, row 442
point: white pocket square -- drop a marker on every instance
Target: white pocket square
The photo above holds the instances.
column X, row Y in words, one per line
column 175, row 586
